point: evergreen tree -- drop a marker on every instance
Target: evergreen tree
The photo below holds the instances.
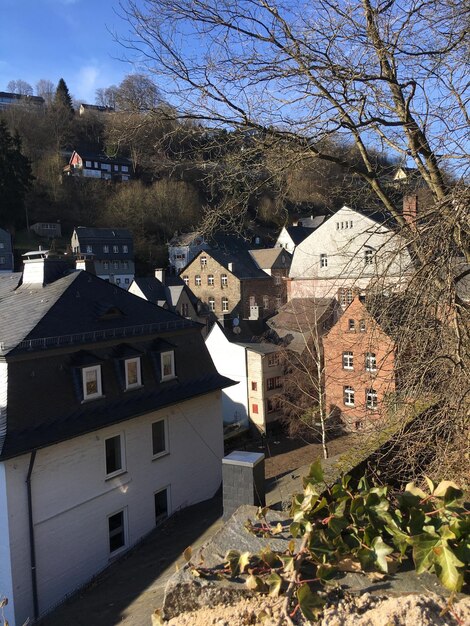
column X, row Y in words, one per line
column 15, row 178
column 62, row 98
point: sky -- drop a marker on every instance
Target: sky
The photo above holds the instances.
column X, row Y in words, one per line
column 67, row 39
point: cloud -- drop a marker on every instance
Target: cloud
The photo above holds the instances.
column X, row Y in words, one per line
column 87, row 82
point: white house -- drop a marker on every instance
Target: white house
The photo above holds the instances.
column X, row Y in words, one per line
column 291, row 236
column 110, row 420
column 347, row 252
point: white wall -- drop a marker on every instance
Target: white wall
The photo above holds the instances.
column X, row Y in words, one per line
column 6, row 582
column 284, row 241
column 345, row 249
column 72, row 499
column 230, row 361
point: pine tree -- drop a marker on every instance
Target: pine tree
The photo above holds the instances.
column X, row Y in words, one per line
column 62, row 98
column 15, row 177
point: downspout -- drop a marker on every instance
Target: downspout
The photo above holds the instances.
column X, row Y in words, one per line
column 32, row 548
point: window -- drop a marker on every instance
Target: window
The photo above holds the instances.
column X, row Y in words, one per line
column 105, row 265
column 273, row 359
column 125, row 249
column 254, row 385
column 125, row 265
column 2, row 260
column 210, row 280
column 225, row 305
column 116, row 265
column 323, row 260
column 270, row 407
column 351, row 224
column 277, row 279
column 362, row 326
column 87, row 163
column 116, row 531
column 274, row 383
column 186, row 279
column 105, row 249
column 203, row 261
column 368, row 257
column 124, row 168
column 348, row 361
column 371, row 362
column 89, row 249
column 161, row 506
column 278, row 302
column 118, row 281
column 348, row 396
column 371, row 399
column 114, row 455
column 133, row 374
column 346, row 296
column 266, row 302
column 2, row 245
column 254, row 409
column 167, row 360
column 159, row 438
column 211, row 304
column 351, row 325
column 91, row 378
column 185, row 309
column 115, row 248
column 224, row 280
column 106, row 167
column 126, row 280
column 197, row 280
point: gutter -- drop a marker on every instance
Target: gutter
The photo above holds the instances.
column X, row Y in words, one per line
column 32, row 548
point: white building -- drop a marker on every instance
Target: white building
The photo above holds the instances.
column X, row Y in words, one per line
column 110, row 420
column 347, row 252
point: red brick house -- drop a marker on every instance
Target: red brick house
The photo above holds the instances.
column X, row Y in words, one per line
column 359, row 367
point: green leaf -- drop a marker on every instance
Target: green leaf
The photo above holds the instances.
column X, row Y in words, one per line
column 270, row 558
column 448, row 490
column 274, row 581
column 448, row 570
column 255, row 583
column 315, row 474
column 423, row 551
column 289, row 563
column 415, row 491
column 431, row 485
column 381, row 551
column 232, row 559
column 326, row 572
column 295, row 529
column 311, row 604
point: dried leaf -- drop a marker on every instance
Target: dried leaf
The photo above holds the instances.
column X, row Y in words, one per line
column 187, row 554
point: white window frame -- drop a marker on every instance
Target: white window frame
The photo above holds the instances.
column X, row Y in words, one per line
column 323, row 259
column 212, row 304
column 125, row 249
column 362, row 326
column 124, row 531
column 273, row 359
column 115, row 249
column 351, row 325
column 172, row 375
column 203, row 261
column 106, row 249
column 122, row 448
column 106, row 265
column 225, row 305
column 197, row 280
column 166, row 449
column 277, row 279
column 368, row 257
column 186, row 279
column 210, row 280
column 139, row 373
column 371, row 362
column 371, row 399
column 224, row 280
column 348, row 360
column 348, row 396
column 99, row 392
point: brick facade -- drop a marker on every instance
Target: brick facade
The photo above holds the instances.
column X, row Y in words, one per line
column 359, row 367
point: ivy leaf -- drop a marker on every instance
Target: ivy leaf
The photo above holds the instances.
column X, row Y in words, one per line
column 232, row 559
column 289, row 563
column 349, row 564
column 311, row 604
column 187, row 554
column 315, row 474
column 274, row 581
column 448, row 571
column 431, row 485
column 270, row 558
column 448, row 490
column 423, row 551
column 243, row 561
column 254, row 583
column 295, row 529
column 412, row 489
column 381, row 551
column 326, row 572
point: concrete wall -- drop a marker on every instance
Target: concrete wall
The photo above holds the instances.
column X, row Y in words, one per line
column 259, row 371
column 72, row 498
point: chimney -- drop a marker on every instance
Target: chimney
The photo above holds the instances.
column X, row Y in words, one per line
column 85, row 262
column 42, row 269
column 160, row 274
column 410, row 210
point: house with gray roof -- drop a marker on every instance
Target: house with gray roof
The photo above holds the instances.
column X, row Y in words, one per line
column 109, row 422
column 89, row 164
column 109, row 252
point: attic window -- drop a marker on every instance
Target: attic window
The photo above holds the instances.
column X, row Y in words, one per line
column 203, row 261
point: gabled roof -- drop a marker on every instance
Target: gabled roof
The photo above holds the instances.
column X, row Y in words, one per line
column 298, row 233
column 267, row 258
column 70, row 307
column 84, row 232
column 243, row 265
column 90, row 155
column 153, row 289
column 301, row 314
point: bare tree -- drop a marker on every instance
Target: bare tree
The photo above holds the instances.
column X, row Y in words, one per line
column 20, row 87
column 106, row 96
column 46, row 89
column 304, row 79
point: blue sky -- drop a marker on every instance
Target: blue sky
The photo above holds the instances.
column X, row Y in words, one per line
column 66, row 39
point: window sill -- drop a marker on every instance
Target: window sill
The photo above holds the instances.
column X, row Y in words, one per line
column 350, row 369
column 350, row 406
column 115, row 474
column 133, row 388
column 160, row 455
column 168, row 378
column 86, row 400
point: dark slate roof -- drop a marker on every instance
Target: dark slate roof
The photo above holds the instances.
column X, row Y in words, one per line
column 20, row 96
column 243, row 264
column 83, row 232
column 153, row 289
column 299, row 233
column 8, row 283
column 92, row 416
column 72, row 306
column 89, row 155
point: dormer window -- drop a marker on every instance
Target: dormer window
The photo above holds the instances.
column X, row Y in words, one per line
column 167, row 361
column 133, row 373
column 91, row 379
